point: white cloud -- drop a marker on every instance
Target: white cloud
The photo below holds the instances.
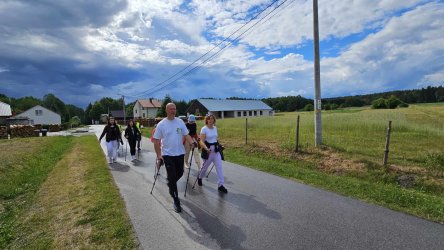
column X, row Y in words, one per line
column 395, row 57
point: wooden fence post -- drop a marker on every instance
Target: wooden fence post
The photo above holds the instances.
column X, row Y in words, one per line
column 387, row 144
column 297, row 135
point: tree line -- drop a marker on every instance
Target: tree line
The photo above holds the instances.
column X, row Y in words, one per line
column 68, row 112
column 424, row 95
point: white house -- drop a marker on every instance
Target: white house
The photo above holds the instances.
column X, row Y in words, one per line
column 146, row 108
column 230, row 108
column 5, row 112
column 39, row 115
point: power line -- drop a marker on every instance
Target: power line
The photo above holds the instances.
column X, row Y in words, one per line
column 148, row 92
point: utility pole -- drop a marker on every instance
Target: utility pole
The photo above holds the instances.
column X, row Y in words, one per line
column 317, row 77
column 124, row 112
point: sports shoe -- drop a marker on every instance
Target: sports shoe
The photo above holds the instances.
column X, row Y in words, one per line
column 222, row 189
column 177, row 206
column 186, row 166
column 199, row 181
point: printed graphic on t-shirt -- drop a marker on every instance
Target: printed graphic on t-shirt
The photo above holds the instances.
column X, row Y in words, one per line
column 178, row 130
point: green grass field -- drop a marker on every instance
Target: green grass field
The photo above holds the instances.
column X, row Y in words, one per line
column 57, row 193
column 350, row 161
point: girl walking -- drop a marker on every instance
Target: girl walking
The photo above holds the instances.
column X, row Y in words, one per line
column 113, row 137
column 132, row 134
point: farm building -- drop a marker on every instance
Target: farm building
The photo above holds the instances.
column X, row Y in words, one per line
column 36, row 115
column 146, row 108
column 230, row 108
column 5, row 112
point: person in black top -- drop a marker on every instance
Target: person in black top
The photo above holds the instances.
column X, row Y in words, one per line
column 113, row 137
column 192, row 128
column 132, row 134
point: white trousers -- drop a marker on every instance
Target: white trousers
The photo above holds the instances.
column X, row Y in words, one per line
column 111, row 146
column 217, row 160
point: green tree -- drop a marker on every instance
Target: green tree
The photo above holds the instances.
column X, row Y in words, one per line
column 50, row 101
column 161, row 112
column 309, row 107
column 379, row 103
column 393, row 102
column 75, row 121
column 87, row 114
column 96, row 110
column 24, row 103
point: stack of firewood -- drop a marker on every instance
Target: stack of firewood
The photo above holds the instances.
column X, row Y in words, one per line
column 54, row 128
column 3, row 132
column 24, row 131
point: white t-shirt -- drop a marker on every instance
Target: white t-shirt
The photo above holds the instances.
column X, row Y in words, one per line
column 210, row 134
column 171, row 132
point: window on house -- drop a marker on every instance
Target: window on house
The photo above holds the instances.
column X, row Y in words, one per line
column 245, row 113
column 143, row 108
column 136, row 111
column 143, row 115
column 255, row 113
column 260, row 112
column 239, row 113
column 249, row 113
column 38, row 112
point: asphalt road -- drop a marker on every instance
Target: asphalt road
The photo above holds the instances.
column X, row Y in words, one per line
column 260, row 211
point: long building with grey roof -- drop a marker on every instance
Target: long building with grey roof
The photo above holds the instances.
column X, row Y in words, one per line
column 230, row 108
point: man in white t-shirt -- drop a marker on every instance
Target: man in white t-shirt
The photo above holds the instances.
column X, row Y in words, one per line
column 171, row 131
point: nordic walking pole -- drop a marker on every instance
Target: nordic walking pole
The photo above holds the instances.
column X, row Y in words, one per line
column 159, row 163
column 210, row 170
column 198, row 174
column 189, row 170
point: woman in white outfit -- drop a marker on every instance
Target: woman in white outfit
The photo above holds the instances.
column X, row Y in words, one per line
column 113, row 137
column 209, row 142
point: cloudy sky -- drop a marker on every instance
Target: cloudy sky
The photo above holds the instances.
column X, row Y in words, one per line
column 87, row 49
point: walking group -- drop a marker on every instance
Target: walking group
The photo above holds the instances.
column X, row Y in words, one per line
column 113, row 135
column 174, row 141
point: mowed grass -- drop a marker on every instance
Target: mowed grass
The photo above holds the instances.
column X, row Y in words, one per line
column 71, row 202
column 350, row 162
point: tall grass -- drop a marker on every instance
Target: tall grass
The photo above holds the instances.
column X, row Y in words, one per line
column 417, row 132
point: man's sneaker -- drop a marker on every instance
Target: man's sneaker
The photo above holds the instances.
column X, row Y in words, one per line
column 199, row 181
column 186, row 166
column 222, row 189
column 177, row 206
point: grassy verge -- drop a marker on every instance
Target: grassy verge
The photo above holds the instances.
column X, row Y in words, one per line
column 426, row 205
column 146, row 131
column 75, row 206
column 25, row 165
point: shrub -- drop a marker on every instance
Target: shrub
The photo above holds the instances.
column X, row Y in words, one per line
column 379, row 104
column 393, row 102
column 308, row 107
column 403, row 105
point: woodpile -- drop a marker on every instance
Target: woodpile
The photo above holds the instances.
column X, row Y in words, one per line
column 24, row 131
column 54, row 128
column 3, row 132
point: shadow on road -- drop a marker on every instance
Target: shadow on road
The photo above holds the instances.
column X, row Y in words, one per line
column 119, row 167
column 227, row 236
